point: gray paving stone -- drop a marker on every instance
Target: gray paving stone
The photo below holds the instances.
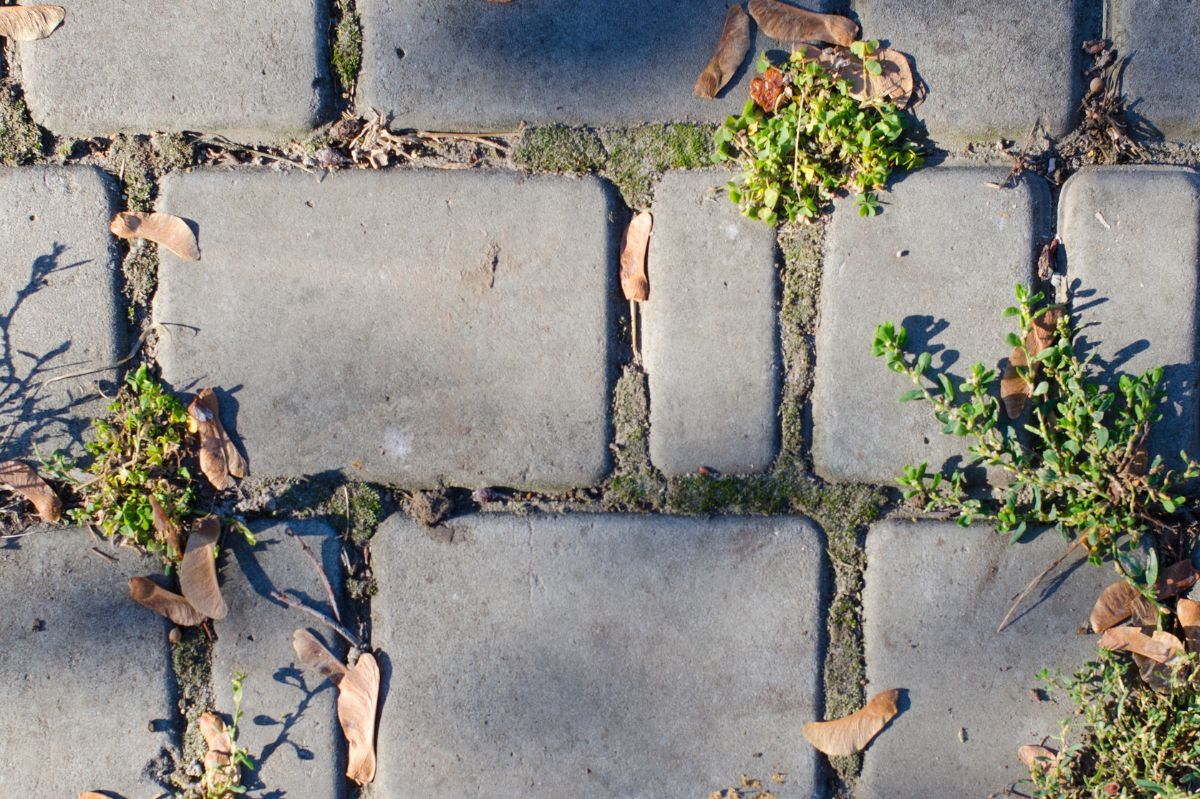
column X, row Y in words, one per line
column 290, row 725
column 934, row 595
column 414, row 327
column 1159, row 80
column 991, row 69
column 710, row 335
column 1134, row 282
column 596, row 656
column 58, row 305
column 254, row 71
column 457, row 64
column 85, row 680
column 942, row 259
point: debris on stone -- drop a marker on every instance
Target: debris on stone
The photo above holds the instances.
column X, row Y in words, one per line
column 634, row 244
column 163, row 229
column 219, row 457
column 166, row 603
column 1159, row 647
column 24, row 479
column 791, row 24
column 30, row 23
column 358, row 700
column 851, row 734
column 314, row 655
column 729, row 55
column 198, row 572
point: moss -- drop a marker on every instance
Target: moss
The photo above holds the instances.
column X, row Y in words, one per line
column 20, row 138
column 131, row 160
column 346, row 50
column 557, row 148
column 637, row 157
column 190, row 663
column 635, row 484
column 365, row 510
column 170, row 151
column 801, row 282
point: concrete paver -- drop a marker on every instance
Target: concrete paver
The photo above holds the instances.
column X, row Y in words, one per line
column 1159, row 37
column 58, row 305
column 595, row 655
column 942, row 259
column 711, row 331
column 934, row 595
column 413, row 327
column 85, row 680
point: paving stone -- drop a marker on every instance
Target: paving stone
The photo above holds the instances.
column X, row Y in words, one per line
column 252, row 71
column 58, row 286
column 991, row 69
column 596, row 655
column 1134, row 284
column 935, row 594
column 290, row 725
column 710, row 334
column 413, row 327
column 85, row 682
column 942, row 259
column 1159, row 37
column 455, row 64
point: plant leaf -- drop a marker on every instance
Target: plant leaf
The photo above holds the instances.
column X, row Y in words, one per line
column 852, row 733
column 198, row 571
column 791, row 24
column 729, row 55
column 1160, row 648
column 155, row 598
column 314, row 655
column 358, row 699
column 633, row 257
column 219, row 458
column 166, row 230
column 1033, row 756
column 25, row 480
column 166, row 528
column 1113, row 606
column 30, row 23
column 1188, row 611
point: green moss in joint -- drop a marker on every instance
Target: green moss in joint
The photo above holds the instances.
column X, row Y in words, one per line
column 635, row 484
column 637, row 157
column 347, row 47
column 364, row 512
column 557, row 148
column 20, row 138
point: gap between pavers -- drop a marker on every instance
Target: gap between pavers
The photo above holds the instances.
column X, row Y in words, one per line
column 59, row 314
column 597, row 655
column 85, row 680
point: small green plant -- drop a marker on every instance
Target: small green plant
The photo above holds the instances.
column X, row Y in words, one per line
column 1128, row 740
column 814, row 141
column 1078, row 461
column 223, row 769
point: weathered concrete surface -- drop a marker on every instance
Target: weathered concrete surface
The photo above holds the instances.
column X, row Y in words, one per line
column 414, row 327
column 710, row 335
column 1160, row 37
column 596, row 656
column 290, row 725
column 58, row 305
column 254, row 71
column 85, row 680
column 991, row 69
column 934, row 595
column 461, row 64
column 1134, row 283
column 942, row 260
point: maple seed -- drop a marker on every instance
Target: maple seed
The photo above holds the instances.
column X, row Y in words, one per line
column 791, row 24
column 30, row 23
column 731, row 51
column 851, row 734
column 358, row 700
column 633, row 257
column 25, row 480
column 162, row 229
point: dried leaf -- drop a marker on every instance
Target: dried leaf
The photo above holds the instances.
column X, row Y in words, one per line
column 198, row 571
column 791, row 24
column 30, row 23
column 1177, row 578
column 216, row 735
column 1014, row 390
column 767, row 88
column 155, row 598
column 164, row 229
column 358, row 698
column 852, row 733
column 1188, row 611
column 1114, row 605
column 633, row 257
column 1031, row 755
column 219, row 458
column 1159, row 648
column 731, row 51
column 166, row 528
column 24, row 479
column 1045, row 265
column 220, row 769
column 314, row 655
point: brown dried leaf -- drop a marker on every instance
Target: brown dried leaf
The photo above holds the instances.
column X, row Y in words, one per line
column 894, row 83
column 166, row 528
column 314, row 655
column 155, row 598
column 766, row 89
column 220, row 769
column 1188, row 611
column 633, row 257
column 25, row 480
column 1113, row 606
column 1041, row 334
column 164, row 229
column 30, row 23
column 198, row 571
column 1177, row 578
column 1039, row 755
column 731, row 51
column 1159, row 648
column 1014, row 389
column 219, row 458
column 1045, row 265
column 852, row 733
column 358, row 699
column 216, row 735
column 791, row 24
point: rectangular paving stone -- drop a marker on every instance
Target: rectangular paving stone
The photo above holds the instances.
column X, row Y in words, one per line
column 59, row 312
column 710, row 331
column 1159, row 36
column 85, row 680
column 290, row 725
column 942, row 260
column 935, row 594
column 412, row 327
column 1134, row 283
column 596, row 656
column 459, row 64
column 991, row 69
column 251, row 71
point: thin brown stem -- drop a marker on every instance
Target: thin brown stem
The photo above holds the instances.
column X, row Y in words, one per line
column 316, row 564
column 1036, row 581
column 319, row 616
